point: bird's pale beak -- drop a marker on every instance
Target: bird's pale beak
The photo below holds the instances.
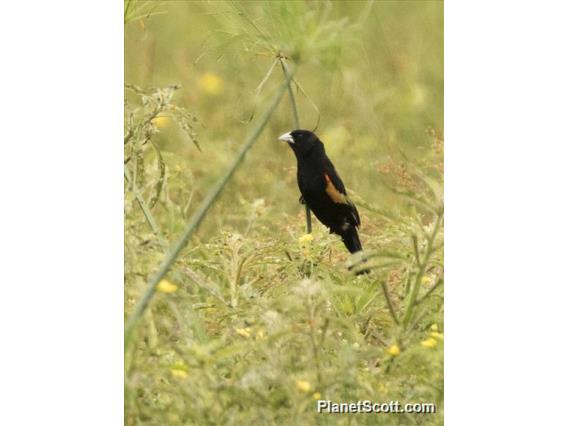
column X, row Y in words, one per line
column 286, row 137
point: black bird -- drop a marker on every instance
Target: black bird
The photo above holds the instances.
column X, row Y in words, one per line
column 322, row 189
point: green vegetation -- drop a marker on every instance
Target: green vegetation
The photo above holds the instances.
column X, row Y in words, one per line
column 233, row 314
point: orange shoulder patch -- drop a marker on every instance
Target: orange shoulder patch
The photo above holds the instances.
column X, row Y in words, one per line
column 333, row 193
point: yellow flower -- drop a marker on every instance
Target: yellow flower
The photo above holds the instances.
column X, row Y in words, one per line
column 161, row 121
column 259, row 335
column 178, row 374
column 434, row 327
column 436, row 335
column 245, row 332
column 305, row 240
column 426, row 280
column 303, row 386
column 179, row 371
column 316, row 395
column 211, row 84
column 166, row 287
column 429, row 343
column 394, row 350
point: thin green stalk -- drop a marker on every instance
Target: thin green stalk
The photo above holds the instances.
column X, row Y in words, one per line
column 297, row 126
column 197, row 217
column 429, row 292
column 416, row 251
column 146, row 210
column 414, row 292
column 389, row 302
column 291, row 94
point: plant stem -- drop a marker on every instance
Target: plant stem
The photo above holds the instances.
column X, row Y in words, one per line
column 416, row 251
column 297, row 126
column 429, row 292
column 291, row 94
column 414, row 292
column 146, row 210
column 389, row 301
column 197, row 217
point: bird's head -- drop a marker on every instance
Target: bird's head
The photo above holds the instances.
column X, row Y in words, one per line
column 302, row 142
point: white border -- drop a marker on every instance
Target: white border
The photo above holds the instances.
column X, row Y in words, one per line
column 61, row 213
column 506, row 142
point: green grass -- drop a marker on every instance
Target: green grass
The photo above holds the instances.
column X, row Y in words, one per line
column 261, row 324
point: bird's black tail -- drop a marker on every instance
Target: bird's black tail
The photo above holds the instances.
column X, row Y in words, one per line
column 351, row 240
column 353, row 244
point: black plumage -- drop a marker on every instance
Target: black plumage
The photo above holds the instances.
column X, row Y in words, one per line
column 322, row 189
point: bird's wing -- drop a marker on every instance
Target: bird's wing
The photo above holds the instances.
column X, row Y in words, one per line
column 336, row 191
